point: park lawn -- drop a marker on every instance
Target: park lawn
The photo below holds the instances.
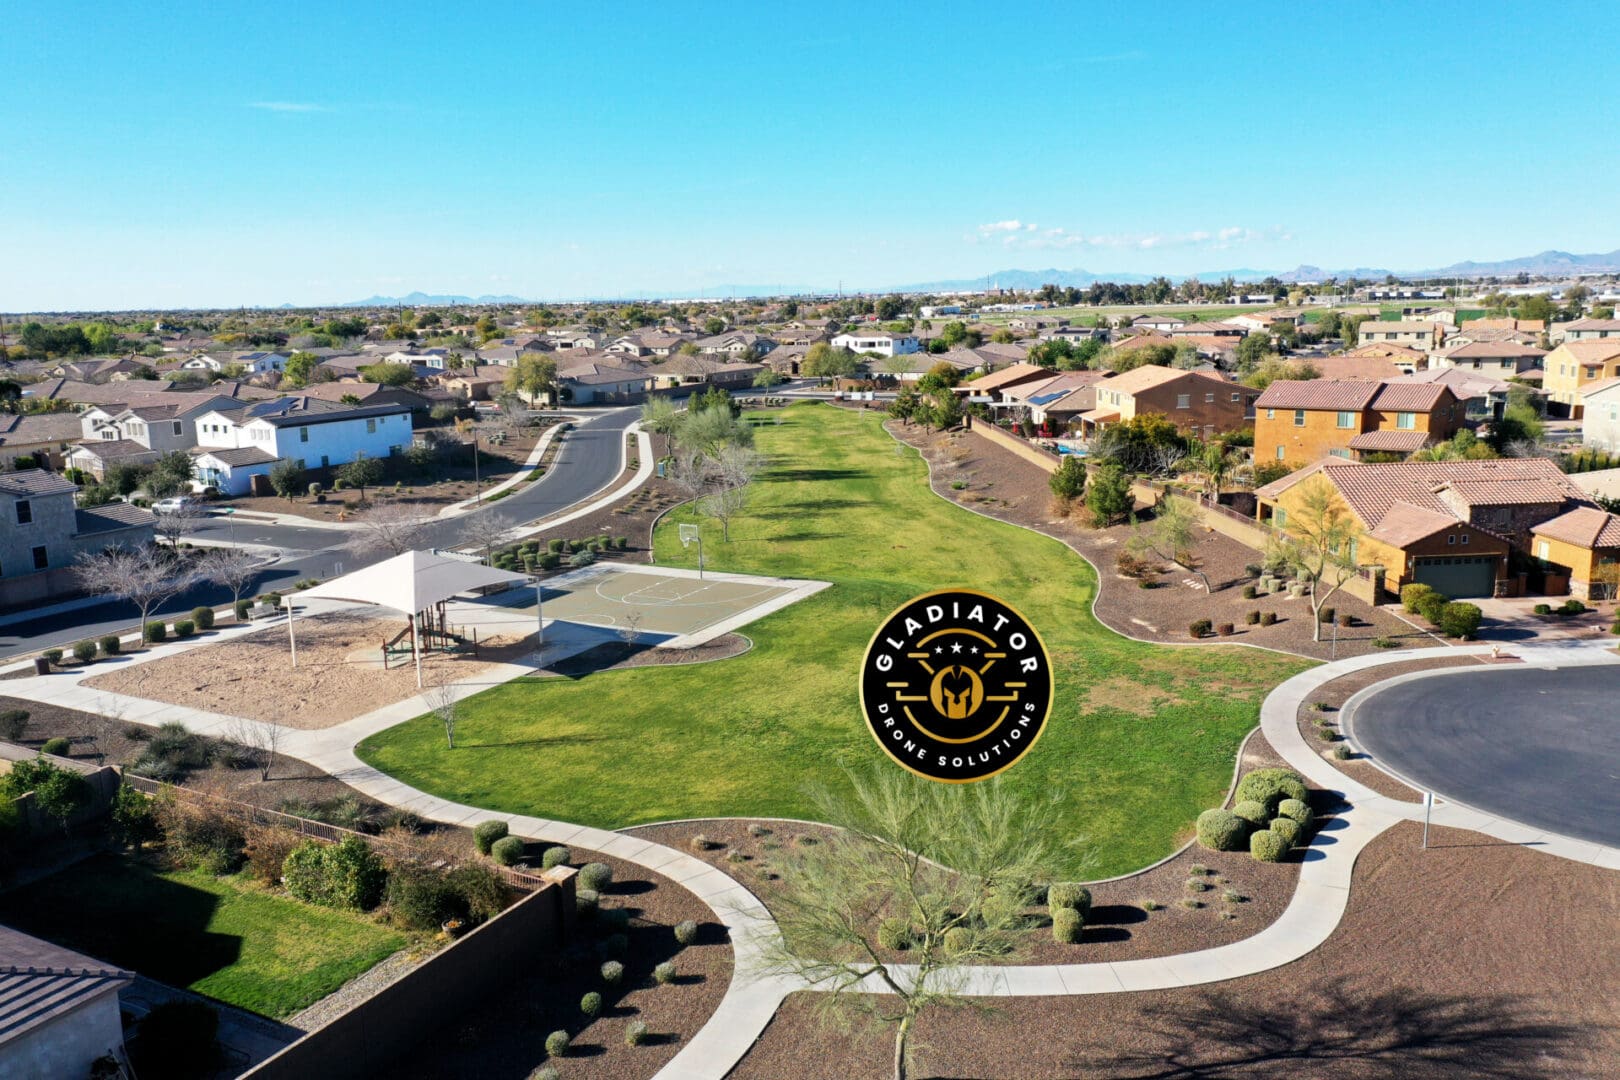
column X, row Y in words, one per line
column 226, row 937
column 1141, row 737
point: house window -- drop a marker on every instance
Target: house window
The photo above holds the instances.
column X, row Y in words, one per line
column 25, row 511
column 303, row 434
column 1451, row 540
column 1209, row 399
column 1542, row 550
column 1406, row 421
column 1279, row 453
column 1299, row 417
column 1464, row 540
column 42, row 558
column 1271, row 414
column 179, row 428
column 1347, row 419
column 1339, row 452
column 371, row 427
column 1183, row 401
column 1236, row 398
column 326, row 462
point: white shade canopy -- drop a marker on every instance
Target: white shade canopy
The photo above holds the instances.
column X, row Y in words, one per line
column 412, row 582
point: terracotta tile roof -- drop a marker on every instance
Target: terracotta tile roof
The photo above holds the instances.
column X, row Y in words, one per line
column 1146, row 377
column 1591, row 352
column 1464, row 383
column 1404, row 523
column 1389, row 349
column 1593, row 388
column 1534, row 326
column 1590, row 324
column 1319, row 394
column 1010, row 376
column 1491, row 350
column 1584, row 526
column 1355, row 368
column 1371, row 489
column 1141, row 341
column 1410, row 397
column 1390, row 440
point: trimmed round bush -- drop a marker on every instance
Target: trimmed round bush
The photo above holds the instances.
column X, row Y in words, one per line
column 1069, row 894
column 613, row 973
column 486, row 833
column 664, row 973
column 635, row 1033
column 52, row 656
column 1432, row 606
column 1327, row 615
column 242, row 607
column 57, row 747
column 686, row 932
column 1542, row 609
column 957, row 939
column 555, row 856
column 507, row 851
column 1267, row 846
column 203, row 617
column 586, row 902
column 614, row 945
column 13, row 722
column 1296, row 810
column 1222, row 830
column 184, row 628
column 1066, row 925
column 700, row 843
column 596, row 876
column 1252, row 618
column 1288, row 829
column 1412, row 595
column 1268, row 618
column 110, row 645
column 591, row 1004
column 1200, row 628
column 894, row 934
column 1460, row 620
column 84, row 651
column 1268, row 787
column 1250, row 592
column 155, row 631
column 616, row 918
column 1253, row 812
column 545, row 1072
column 557, row 1044
column 1342, row 752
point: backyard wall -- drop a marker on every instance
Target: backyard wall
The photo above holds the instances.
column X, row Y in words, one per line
column 103, row 781
column 364, row 1040
column 991, row 433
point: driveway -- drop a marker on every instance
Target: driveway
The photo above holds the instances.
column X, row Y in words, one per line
column 1540, row 746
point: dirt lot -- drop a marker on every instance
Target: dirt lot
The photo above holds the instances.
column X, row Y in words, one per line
column 251, row 675
column 1002, row 485
column 1473, row 959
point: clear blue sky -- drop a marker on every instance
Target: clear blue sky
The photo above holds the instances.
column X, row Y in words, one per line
column 186, row 154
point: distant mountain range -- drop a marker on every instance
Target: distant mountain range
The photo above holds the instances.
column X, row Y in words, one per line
column 1547, row 263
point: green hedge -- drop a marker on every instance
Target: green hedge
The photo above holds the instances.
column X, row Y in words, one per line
column 1222, row 830
column 1069, row 894
column 1289, row 830
column 347, row 874
column 1255, row 813
column 1267, row 846
column 1460, row 620
column 486, row 833
column 1067, row 925
column 1270, row 786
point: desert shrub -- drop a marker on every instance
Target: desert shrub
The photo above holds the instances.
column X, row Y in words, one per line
column 52, row 656
column 57, row 747
column 84, row 651
column 557, row 1044
column 1325, row 733
column 1250, row 592
column 1200, row 628
column 613, row 973
column 241, row 608
column 1288, row 829
column 1069, row 894
column 957, row 939
column 894, row 934
column 1067, row 924
column 1270, row 786
column 1252, row 618
column 195, row 836
column 1253, row 812
column 271, row 599
column 544, row 1072
column 1412, row 595
column 591, row 1004
column 184, row 628
column 1347, row 621
column 130, row 819
column 507, row 851
column 549, row 561
column 1342, row 752
column 700, row 843
column 555, row 546
column 13, row 723
column 581, row 558
column 203, row 617
column 1296, row 810
column 1542, row 609
column 1572, row 607
column 1327, row 615
column 1267, row 846
column 686, row 932
column 1130, row 566
column 347, row 874
column 486, row 833
column 1225, row 629
column 155, row 631
column 1268, row 618
column 596, row 876
column 664, row 973
column 1431, row 606
column 266, row 849
column 613, row 944
column 620, row 543
column 346, row 811
column 586, row 901
column 555, row 855
column 1460, row 620
column 1222, row 830
column 635, row 1033
column 1384, row 643
column 477, row 892
column 177, row 1038
column 615, row 918
column 418, row 896
column 110, row 645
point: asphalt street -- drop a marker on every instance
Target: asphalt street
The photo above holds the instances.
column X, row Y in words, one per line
column 589, row 458
column 1538, row 746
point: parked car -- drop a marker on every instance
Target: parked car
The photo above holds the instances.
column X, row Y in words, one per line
column 177, row 505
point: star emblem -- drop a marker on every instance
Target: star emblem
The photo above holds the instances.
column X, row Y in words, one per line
column 956, row 647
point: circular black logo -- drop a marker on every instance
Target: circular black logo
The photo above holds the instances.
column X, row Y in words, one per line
column 956, row 686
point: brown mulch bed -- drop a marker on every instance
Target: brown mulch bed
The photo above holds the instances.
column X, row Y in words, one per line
column 631, row 516
column 1004, row 486
column 505, row 1036
column 1473, row 959
column 1120, row 927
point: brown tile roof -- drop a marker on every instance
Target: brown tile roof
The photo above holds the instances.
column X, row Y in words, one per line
column 1404, row 523
column 1534, row 326
column 1143, row 378
column 27, row 482
column 1011, row 376
column 1371, row 489
column 1584, row 526
column 1410, row 397
column 1140, row 341
column 1324, row 394
column 1590, row 352
column 1387, row 349
column 1355, row 368
column 1491, row 350
column 1390, row 440
column 1590, row 324
column 1464, row 383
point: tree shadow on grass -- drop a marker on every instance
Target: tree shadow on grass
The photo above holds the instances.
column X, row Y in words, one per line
column 553, row 740
column 1336, row 1029
column 775, row 475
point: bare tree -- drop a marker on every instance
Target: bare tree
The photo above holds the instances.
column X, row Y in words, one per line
column 487, row 529
column 393, row 527
column 262, row 741
column 231, row 567
column 441, row 699
column 631, row 628
column 720, row 481
column 146, row 577
column 171, row 525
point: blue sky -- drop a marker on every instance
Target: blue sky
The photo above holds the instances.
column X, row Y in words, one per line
column 221, row 154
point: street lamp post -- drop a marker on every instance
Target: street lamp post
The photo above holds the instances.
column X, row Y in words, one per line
column 478, row 488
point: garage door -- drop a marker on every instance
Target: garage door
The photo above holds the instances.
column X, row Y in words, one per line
column 1457, row 576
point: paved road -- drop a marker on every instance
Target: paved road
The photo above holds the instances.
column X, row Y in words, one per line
column 590, row 457
column 1540, row 746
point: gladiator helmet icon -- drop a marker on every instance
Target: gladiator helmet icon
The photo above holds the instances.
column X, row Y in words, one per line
column 956, row 692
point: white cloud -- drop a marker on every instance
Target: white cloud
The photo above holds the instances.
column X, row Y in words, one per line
column 1016, row 234
column 288, row 106
column 1011, row 226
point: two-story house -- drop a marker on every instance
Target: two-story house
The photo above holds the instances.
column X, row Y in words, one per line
column 42, row 532
column 140, row 433
column 262, row 363
column 1196, row 402
column 881, row 342
column 235, row 444
column 1572, row 365
column 1503, row 359
column 1600, row 415
column 1300, row 420
column 1424, row 336
column 1584, row 330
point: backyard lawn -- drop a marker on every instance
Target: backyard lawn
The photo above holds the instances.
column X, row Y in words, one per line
column 224, row 937
column 1141, row 737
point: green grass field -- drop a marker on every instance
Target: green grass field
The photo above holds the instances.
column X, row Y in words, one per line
column 1140, row 740
column 224, row 937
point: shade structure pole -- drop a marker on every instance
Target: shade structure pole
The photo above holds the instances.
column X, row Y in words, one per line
column 292, row 639
column 416, row 648
column 539, row 616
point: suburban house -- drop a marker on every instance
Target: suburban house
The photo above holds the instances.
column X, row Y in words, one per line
column 648, row 343
column 1484, row 397
column 1208, row 330
column 989, row 388
column 1575, row 363
column 141, row 433
column 1300, row 420
column 881, row 342
column 1504, row 359
column 1035, row 323
column 365, row 393
column 204, row 362
column 1197, row 403
column 1408, row 360
column 1584, row 330
column 1448, row 524
column 1582, row 545
column 1600, row 414
column 1056, row 402
column 704, row 370
column 31, row 433
column 603, row 377
column 787, row 359
column 578, row 337
column 738, row 343
column 261, row 363
column 1274, row 319
column 58, row 1008
column 43, row 532
column 1530, row 327
column 1423, row 336
column 320, row 433
column 1163, row 323
column 1349, row 367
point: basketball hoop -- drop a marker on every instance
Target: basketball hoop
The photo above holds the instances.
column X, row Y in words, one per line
column 692, row 534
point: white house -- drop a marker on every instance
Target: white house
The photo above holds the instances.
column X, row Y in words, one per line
column 262, row 363
column 435, row 358
column 1600, row 422
column 204, row 362
column 881, row 342
column 320, row 433
column 928, row 311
